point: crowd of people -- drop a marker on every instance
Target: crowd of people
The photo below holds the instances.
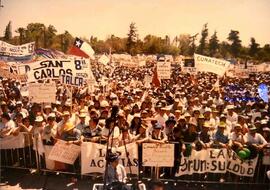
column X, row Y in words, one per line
column 197, row 111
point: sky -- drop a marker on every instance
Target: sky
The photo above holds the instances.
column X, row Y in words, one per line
column 102, row 18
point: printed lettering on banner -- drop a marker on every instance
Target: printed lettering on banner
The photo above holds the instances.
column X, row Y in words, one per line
column 55, row 68
column 42, row 92
column 7, row 49
column 93, row 157
column 209, row 64
column 63, row 152
column 164, row 69
column 216, row 161
column 158, row 155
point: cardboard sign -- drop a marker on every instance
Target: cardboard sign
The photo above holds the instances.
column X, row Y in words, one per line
column 158, row 155
column 12, row 142
column 209, row 64
column 63, row 152
column 216, row 161
column 93, row 157
column 164, row 69
column 42, row 92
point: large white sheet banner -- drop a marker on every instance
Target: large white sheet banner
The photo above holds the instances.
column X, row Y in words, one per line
column 158, row 155
column 216, row 161
column 7, row 49
column 63, row 152
column 93, row 157
column 55, row 68
column 12, row 142
column 209, row 64
column 42, row 92
column 164, row 69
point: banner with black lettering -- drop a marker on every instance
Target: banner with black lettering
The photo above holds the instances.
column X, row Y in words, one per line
column 9, row 52
column 216, row 161
column 209, row 64
column 55, row 68
column 93, row 157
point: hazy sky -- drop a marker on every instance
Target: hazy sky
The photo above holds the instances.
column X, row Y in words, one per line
column 159, row 17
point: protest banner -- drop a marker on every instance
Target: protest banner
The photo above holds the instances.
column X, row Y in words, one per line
column 240, row 167
column 216, row 161
column 158, row 155
column 63, row 152
column 209, row 64
column 91, row 82
column 93, row 157
column 189, row 66
column 7, row 49
column 147, row 81
column 42, row 92
column 12, row 142
column 72, row 81
column 129, row 64
column 104, row 60
column 164, row 69
column 54, row 68
column 7, row 74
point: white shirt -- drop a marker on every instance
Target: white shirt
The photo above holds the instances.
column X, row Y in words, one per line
column 257, row 139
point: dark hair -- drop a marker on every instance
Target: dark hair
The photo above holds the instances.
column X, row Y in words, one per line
column 154, row 184
column 5, row 116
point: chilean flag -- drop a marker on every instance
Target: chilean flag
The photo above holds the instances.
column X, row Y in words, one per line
column 81, row 49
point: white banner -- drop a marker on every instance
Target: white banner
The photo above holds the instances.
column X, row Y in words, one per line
column 72, row 81
column 164, row 69
column 130, row 64
column 42, row 92
column 158, row 155
column 54, row 68
column 7, row 49
column 63, row 152
column 12, row 142
column 209, row 64
column 216, row 161
column 93, row 157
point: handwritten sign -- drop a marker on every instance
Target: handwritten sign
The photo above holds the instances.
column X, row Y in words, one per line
column 164, row 70
column 63, row 152
column 158, row 155
column 42, row 92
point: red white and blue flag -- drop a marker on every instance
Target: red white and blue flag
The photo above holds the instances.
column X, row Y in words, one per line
column 81, row 49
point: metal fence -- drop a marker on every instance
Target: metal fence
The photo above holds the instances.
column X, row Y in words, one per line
column 28, row 158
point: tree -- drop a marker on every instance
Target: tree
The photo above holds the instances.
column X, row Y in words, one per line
column 35, row 32
column 132, row 39
column 235, row 45
column 253, row 47
column 49, row 34
column 8, row 32
column 202, row 46
column 213, row 44
column 183, row 43
column 22, row 34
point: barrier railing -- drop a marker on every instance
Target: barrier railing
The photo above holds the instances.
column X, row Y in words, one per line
column 29, row 157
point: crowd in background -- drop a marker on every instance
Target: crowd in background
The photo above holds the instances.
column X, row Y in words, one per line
column 197, row 111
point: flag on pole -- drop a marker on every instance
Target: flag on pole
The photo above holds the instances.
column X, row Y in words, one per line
column 155, row 79
column 82, row 49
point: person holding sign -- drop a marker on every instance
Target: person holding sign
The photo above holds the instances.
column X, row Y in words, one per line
column 221, row 137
